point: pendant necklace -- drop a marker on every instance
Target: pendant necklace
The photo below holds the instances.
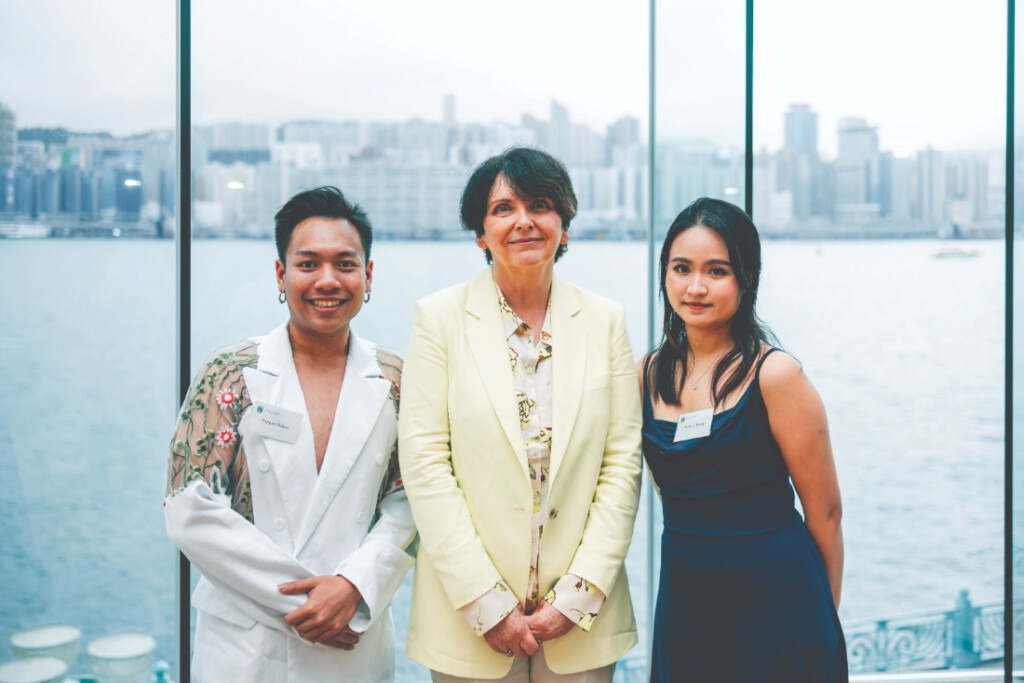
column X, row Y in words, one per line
column 693, row 387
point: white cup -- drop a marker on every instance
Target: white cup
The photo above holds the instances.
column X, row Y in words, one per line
column 122, row 658
column 55, row 640
column 33, row 670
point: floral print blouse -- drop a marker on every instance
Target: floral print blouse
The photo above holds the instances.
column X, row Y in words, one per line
column 206, row 444
column 531, row 371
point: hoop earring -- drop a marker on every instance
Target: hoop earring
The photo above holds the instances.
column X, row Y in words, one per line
column 281, row 297
column 366, row 297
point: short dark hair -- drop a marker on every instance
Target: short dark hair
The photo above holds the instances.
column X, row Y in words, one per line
column 325, row 201
column 530, row 174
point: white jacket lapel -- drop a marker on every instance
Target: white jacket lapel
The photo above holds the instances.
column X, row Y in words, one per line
column 363, row 393
column 276, row 383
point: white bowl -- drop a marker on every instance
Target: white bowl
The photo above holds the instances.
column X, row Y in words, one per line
column 56, row 640
column 33, row 670
column 122, row 658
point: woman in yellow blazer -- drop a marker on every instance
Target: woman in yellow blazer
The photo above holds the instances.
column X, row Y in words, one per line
column 520, row 450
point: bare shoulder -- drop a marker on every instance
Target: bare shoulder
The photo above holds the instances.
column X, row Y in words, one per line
column 781, row 372
column 785, row 385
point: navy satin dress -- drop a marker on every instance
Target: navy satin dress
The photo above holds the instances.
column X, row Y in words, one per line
column 744, row 595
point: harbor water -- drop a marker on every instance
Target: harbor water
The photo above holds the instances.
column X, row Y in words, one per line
column 905, row 348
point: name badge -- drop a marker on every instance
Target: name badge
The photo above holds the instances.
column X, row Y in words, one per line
column 694, row 425
column 277, row 423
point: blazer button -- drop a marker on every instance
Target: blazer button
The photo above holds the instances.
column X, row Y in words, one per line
column 361, row 517
column 264, row 465
column 278, row 523
column 380, row 458
column 553, row 513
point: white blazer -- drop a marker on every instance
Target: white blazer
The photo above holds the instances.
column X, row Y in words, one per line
column 305, row 525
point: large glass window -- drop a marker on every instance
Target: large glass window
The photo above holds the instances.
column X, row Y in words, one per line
column 396, row 117
column 88, row 345
column 878, row 184
column 882, row 200
column 698, row 83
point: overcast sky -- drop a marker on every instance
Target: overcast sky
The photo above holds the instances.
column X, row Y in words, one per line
column 923, row 72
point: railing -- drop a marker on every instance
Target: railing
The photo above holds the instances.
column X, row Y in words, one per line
column 965, row 637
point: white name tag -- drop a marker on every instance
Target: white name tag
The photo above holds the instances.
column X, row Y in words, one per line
column 277, row 423
column 694, row 425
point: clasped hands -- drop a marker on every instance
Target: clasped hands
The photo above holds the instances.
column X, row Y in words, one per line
column 330, row 605
column 519, row 635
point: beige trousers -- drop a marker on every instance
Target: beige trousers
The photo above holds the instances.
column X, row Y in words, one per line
column 535, row 670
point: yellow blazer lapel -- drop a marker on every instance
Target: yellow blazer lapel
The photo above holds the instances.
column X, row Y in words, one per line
column 489, row 347
column 569, row 372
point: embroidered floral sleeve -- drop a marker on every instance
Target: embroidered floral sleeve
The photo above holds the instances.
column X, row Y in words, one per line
column 391, row 369
column 206, row 444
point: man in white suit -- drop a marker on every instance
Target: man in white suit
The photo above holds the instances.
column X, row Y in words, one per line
column 283, row 481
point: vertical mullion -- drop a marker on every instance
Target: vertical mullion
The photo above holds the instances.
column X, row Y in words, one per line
column 183, row 248
column 1008, row 387
column 651, row 311
column 748, row 132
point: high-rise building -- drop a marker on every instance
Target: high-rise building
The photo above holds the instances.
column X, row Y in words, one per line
column 857, row 170
column 8, row 136
column 623, row 134
column 931, row 185
column 559, row 139
column 895, row 173
column 798, row 163
column 801, row 129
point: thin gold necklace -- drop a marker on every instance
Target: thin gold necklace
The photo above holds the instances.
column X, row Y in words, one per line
column 693, row 387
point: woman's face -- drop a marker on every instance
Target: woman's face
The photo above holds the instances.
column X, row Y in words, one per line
column 326, row 276
column 700, row 282
column 520, row 234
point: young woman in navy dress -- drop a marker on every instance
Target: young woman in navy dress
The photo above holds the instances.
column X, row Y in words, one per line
column 749, row 588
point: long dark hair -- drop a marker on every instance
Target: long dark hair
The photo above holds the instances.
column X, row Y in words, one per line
column 745, row 328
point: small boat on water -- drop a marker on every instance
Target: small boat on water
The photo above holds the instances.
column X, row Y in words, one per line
column 956, row 252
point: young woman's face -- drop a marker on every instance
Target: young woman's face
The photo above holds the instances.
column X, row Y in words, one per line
column 700, row 282
column 520, row 233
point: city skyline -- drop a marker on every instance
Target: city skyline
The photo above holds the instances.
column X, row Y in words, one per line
column 331, row 63
column 409, row 176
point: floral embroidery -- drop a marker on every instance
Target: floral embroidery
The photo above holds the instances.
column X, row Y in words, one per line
column 225, row 436
column 206, row 444
column 390, row 369
column 226, row 398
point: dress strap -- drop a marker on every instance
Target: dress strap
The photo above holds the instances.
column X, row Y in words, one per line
column 757, row 371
